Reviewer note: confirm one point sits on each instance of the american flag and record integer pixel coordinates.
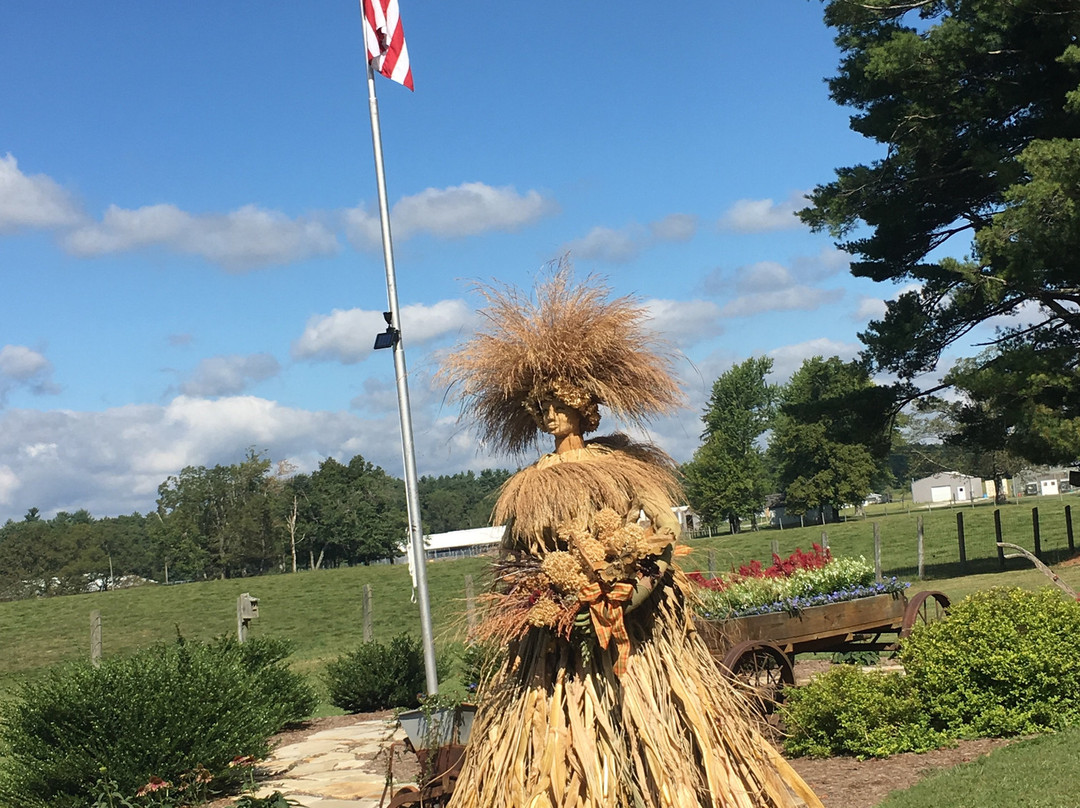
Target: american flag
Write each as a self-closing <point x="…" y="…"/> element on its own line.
<point x="385" y="40"/>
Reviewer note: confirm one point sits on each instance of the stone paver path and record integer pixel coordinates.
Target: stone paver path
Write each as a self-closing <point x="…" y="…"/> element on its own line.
<point x="345" y="767"/>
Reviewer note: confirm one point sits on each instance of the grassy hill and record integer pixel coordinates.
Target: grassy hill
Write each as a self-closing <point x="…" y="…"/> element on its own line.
<point x="898" y="527"/>
<point x="321" y="612"/>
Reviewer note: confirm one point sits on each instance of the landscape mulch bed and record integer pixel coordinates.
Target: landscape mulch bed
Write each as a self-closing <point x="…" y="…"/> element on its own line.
<point x="842" y="782"/>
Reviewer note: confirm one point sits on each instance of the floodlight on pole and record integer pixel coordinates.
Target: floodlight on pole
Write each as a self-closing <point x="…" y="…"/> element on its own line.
<point x="388" y="338"/>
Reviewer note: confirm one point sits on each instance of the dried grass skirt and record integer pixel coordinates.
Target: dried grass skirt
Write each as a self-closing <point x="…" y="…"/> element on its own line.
<point x="557" y="728"/>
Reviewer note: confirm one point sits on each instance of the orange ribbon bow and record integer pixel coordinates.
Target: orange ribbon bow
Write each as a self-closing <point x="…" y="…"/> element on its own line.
<point x="607" y="618"/>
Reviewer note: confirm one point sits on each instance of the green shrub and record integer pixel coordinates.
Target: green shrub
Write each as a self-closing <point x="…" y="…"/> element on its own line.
<point x="378" y="677"/>
<point x="847" y="711"/>
<point x="1005" y="662"/>
<point x="170" y="712"/>
<point x="479" y="662"/>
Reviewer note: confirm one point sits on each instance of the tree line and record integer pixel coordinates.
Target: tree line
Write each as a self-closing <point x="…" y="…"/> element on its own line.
<point x="233" y="521"/>
<point x="826" y="439"/>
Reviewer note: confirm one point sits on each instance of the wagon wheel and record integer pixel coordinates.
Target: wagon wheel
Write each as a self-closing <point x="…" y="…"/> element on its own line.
<point x="409" y="795"/>
<point x="923" y="609"/>
<point x="764" y="668"/>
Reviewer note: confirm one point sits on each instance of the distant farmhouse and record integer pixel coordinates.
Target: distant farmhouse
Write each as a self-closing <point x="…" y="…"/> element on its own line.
<point x="1043" y="482"/>
<point x="952" y="486"/>
<point x="947" y="486"/>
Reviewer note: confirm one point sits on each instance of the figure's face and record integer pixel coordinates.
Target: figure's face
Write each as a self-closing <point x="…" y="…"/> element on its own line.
<point x="558" y="419"/>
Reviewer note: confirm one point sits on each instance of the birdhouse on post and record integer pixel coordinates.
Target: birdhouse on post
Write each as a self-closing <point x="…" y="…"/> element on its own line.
<point x="247" y="609"/>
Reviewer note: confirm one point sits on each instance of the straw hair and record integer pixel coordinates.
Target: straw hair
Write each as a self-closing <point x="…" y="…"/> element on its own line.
<point x="572" y="344"/>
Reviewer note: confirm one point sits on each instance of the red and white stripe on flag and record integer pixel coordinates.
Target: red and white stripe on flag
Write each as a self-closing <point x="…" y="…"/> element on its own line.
<point x="385" y="40"/>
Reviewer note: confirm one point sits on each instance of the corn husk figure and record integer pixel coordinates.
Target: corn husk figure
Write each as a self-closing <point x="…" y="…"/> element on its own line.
<point x="608" y="696"/>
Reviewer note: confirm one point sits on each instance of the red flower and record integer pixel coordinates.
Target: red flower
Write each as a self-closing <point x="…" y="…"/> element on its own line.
<point x="705" y="583"/>
<point x="155" y="784"/>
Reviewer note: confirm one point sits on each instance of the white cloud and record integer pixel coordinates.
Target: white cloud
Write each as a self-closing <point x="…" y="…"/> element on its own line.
<point x="770" y="286"/>
<point x="789" y="358"/>
<point x="111" y="462"/>
<point x="605" y="244"/>
<point x="22" y="367"/>
<point x="793" y="298"/>
<point x="869" y="308"/>
<point x="9" y="484"/>
<point x="763" y="215"/>
<point x="675" y="227"/>
<point x="463" y="210"/>
<point x="242" y="239"/>
<point x="229" y="375"/>
<point x="347" y="335"/>
<point x="21" y="363"/>
<point x="35" y="201"/>
<point x="685" y="322"/>
<point x="828" y="262"/>
<point x="625" y="244"/>
<point x="764" y="276"/>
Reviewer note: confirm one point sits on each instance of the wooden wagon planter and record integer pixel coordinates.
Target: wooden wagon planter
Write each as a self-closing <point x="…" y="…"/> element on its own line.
<point x="760" y="650"/>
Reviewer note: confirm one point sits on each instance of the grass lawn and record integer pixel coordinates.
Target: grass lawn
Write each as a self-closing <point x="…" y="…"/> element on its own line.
<point x="1042" y="772"/>
<point x="321" y="612"/>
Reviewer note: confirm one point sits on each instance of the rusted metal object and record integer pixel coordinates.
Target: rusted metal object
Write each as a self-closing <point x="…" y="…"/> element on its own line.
<point x="439" y="770"/>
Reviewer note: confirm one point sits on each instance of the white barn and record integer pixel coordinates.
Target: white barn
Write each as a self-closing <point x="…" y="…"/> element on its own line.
<point x="457" y="543"/>
<point x="945" y="487"/>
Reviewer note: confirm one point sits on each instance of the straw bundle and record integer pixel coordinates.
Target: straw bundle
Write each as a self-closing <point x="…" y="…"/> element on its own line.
<point x="611" y="473"/>
<point x="558" y="729"/>
<point x="608" y="697"/>
<point x="572" y="344"/>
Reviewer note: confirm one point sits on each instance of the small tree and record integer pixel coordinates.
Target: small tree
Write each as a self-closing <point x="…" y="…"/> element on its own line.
<point x="727" y="477"/>
<point x="831" y="437"/>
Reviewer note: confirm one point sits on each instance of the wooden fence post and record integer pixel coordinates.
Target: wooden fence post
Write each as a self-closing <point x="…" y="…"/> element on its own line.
<point x="1035" y="532"/>
<point x="776" y="546"/>
<point x="960" y="537"/>
<point x="368" y="618"/>
<point x="95" y="638"/>
<point x="918" y="522"/>
<point x="824" y="540"/>
<point x="1068" y="527"/>
<point x="997" y="536"/>
<point x="877" y="551"/>
<point x="470" y="605"/>
<point x="712" y="562"/>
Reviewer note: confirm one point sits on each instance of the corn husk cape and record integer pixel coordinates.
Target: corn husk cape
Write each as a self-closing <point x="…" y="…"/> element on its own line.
<point x="608" y="696"/>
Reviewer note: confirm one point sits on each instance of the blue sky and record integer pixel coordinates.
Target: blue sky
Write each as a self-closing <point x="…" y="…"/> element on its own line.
<point x="187" y="202"/>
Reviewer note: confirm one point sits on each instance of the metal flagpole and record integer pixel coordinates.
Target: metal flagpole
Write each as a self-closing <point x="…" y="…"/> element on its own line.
<point x="412" y="497"/>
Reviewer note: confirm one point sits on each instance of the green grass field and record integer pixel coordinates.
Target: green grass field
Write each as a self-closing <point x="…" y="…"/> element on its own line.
<point x="1040" y="772"/>
<point x="321" y="613"/>
<point x="898" y="527"/>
